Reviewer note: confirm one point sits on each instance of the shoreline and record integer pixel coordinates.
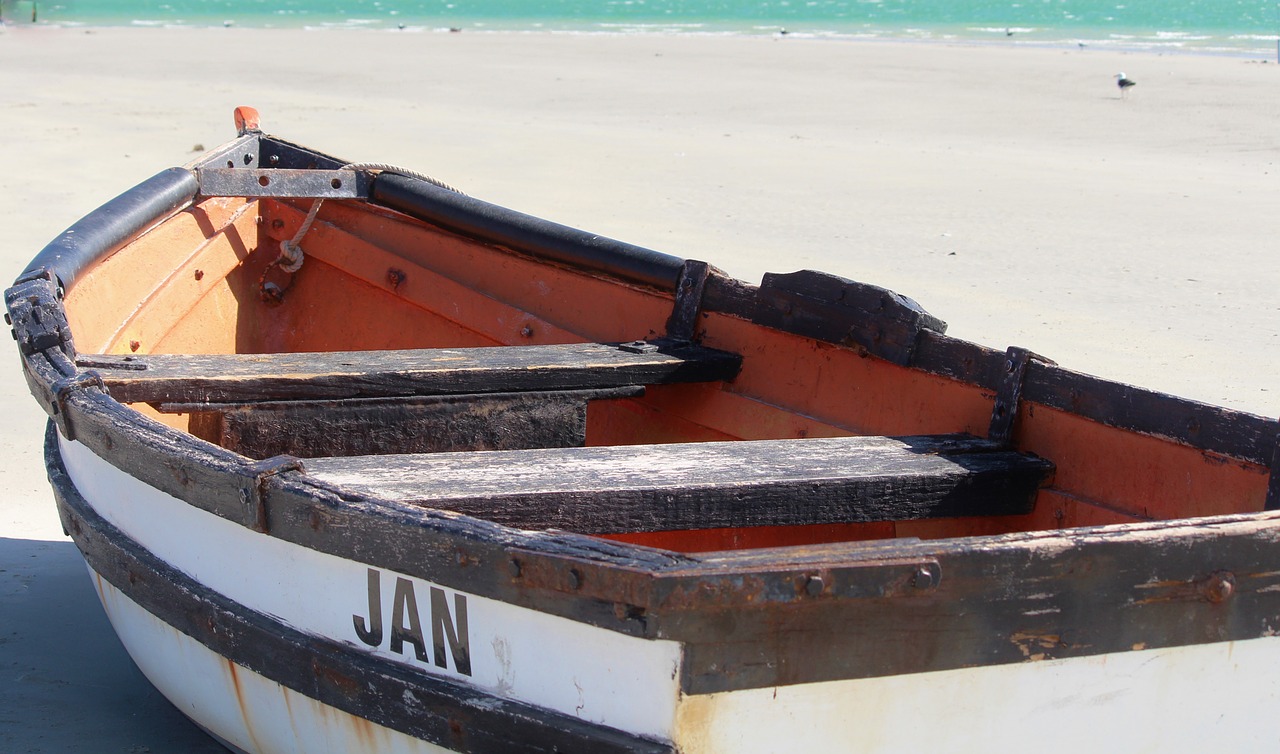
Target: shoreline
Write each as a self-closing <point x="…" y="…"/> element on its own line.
<point x="1264" y="47"/>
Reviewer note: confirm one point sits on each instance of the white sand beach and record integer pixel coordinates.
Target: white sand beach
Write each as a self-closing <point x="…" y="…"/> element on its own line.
<point x="1011" y="191"/>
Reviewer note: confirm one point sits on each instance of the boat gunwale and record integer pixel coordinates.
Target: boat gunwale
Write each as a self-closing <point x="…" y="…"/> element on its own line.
<point x="651" y="593"/>
<point x="120" y="220"/>
<point x="623" y="587"/>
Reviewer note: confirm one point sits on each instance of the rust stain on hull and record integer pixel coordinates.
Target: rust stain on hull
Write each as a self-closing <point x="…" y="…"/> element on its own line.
<point x="234" y="674"/>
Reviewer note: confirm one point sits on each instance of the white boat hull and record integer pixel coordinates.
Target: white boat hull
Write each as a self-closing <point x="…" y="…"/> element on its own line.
<point x="590" y="673"/>
<point x="1132" y="701"/>
<point x="243" y="709"/>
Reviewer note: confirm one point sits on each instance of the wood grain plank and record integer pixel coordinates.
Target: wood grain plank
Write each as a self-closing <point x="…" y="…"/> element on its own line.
<point x="167" y="378"/>
<point x="707" y="485"/>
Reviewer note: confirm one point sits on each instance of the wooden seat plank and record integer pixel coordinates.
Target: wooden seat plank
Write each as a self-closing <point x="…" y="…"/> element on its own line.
<point x="707" y="485"/>
<point x="230" y="378"/>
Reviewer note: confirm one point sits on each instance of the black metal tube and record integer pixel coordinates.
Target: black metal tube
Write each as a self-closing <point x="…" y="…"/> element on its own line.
<point x="525" y="233"/>
<point x="110" y="226"/>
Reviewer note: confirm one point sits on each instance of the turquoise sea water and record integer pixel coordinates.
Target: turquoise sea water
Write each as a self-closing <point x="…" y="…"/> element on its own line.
<point x="1223" y="26"/>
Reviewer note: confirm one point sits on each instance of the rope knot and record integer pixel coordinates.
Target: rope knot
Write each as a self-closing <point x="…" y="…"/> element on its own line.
<point x="291" y="256"/>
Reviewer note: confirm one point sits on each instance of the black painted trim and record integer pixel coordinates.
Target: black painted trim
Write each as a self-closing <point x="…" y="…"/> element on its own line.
<point x="525" y="233"/>
<point x="447" y="713"/>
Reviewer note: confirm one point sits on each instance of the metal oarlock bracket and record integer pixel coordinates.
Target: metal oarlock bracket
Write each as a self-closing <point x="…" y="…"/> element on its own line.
<point x="1009" y="393"/>
<point x="683" y="323"/>
<point x="63" y="388"/>
<point x="252" y="499"/>
<point x="283" y="182"/>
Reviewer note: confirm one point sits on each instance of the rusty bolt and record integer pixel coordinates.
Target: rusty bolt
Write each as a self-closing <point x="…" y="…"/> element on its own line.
<point x="923" y="578"/>
<point x="199" y="274"/>
<point x="814" y="585"/>
<point x="1219" y="587"/>
<point x="277" y="223"/>
<point x="395" y="277"/>
<point x="514" y="568"/>
<point x="272" y="294"/>
<point x="575" y="579"/>
<point x="134" y="345"/>
<point x="526" y="331"/>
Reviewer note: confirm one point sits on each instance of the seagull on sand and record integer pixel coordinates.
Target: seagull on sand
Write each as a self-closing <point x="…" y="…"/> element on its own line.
<point x="1124" y="82"/>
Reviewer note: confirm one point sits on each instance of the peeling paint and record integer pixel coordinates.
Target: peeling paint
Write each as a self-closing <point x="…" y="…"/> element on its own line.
<point x="1028" y="643"/>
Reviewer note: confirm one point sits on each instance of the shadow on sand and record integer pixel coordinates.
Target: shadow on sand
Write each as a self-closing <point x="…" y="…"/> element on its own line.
<point x="66" y="683"/>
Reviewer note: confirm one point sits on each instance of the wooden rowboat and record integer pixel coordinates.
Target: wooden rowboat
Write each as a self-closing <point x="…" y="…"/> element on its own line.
<point x="403" y="471"/>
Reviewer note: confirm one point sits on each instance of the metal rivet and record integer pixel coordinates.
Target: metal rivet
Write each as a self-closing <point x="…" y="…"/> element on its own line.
<point x="575" y="579"/>
<point x="514" y="568"/>
<point x="814" y="585"/>
<point x="923" y="578"/>
<point x="1220" y="587"/>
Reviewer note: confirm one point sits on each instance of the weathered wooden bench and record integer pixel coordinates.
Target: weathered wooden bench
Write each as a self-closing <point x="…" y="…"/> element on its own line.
<point x="643" y="488"/>
<point x="425" y="400"/>
<point x="230" y="378"/>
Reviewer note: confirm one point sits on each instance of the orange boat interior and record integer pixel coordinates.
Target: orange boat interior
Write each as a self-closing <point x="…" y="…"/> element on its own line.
<point x="373" y="279"/>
